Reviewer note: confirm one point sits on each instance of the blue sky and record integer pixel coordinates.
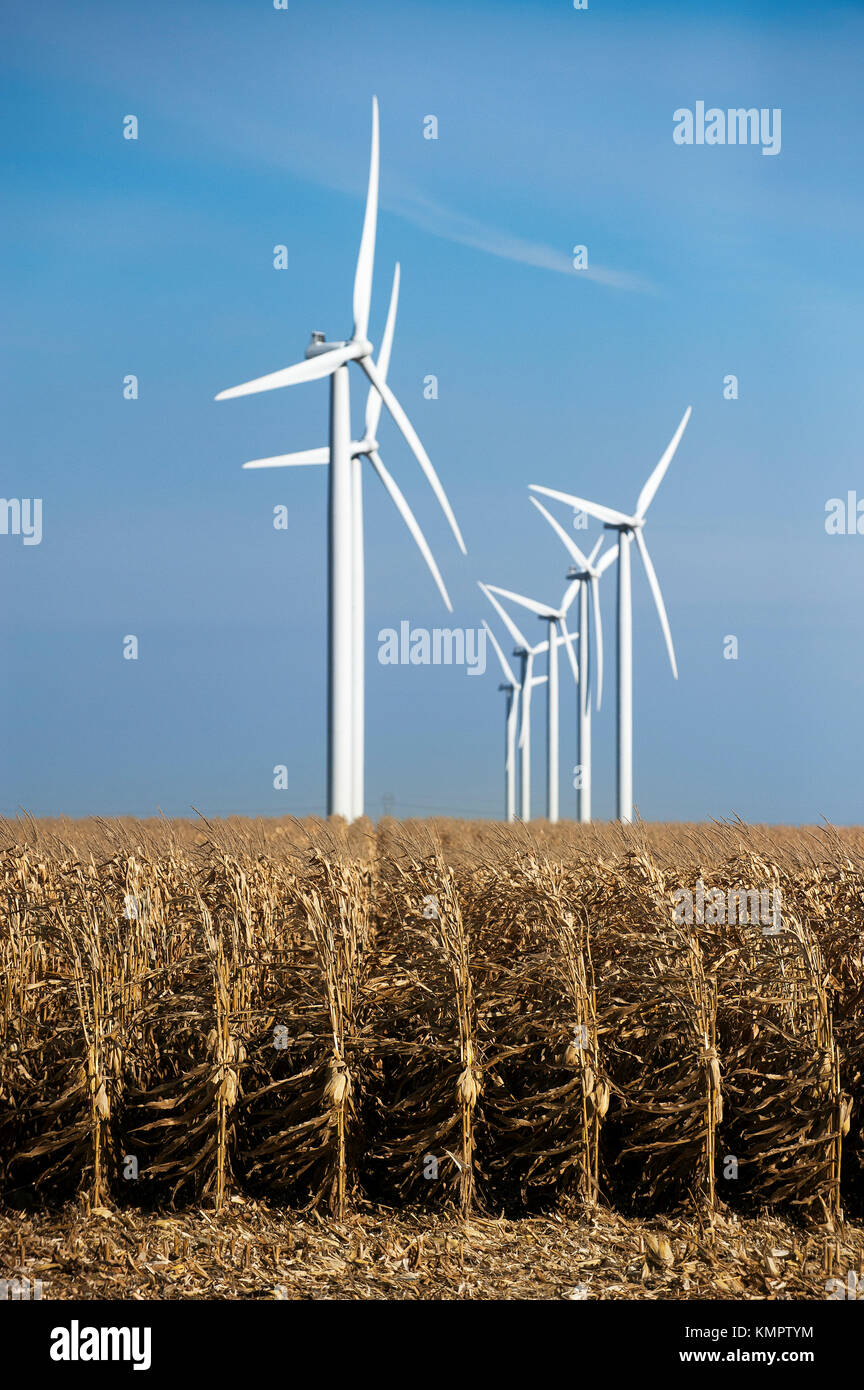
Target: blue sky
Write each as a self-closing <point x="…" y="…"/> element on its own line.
<point x="155" y="258"/>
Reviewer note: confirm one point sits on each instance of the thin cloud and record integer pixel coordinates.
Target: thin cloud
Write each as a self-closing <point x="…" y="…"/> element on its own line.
<point x="466" y="231"/>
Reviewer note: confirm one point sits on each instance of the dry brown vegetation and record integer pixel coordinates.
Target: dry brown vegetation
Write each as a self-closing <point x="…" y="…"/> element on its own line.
<point x="441" y="1017"/>
<point x="253" y="1250"/>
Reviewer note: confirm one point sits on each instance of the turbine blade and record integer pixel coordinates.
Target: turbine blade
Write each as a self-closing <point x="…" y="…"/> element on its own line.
<point x="411" y="522"/>
<point x="298" y="460"/>
<point x="658" y="599"/>
<point x="598" y="632"/>
<point x="411" y="439"/>
<point x="568" y="642"/>
<point x="518" y="637"/>
<point x="569" y="594"/>
<point x="646" y="496"/>
<point x="309" y="370"/>
<point x="366" y="255"/>
<point x="608" y="559"/>
<point x="504" y="663"/>
<point x="541" y="609"/>
<point x="373" y="400"/>
<point x="572" y="547"/>
<point x="593" y="556"/>
<point x="592" y="508"/>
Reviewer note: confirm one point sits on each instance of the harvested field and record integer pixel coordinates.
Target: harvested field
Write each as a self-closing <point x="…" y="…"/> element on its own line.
<point x="401" y="1030"/>
<point x="251" y="1250"/>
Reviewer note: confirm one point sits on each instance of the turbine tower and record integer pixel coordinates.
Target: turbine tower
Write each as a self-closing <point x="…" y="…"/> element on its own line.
<point x="585" y="574"/>
<point x="365" y="448"/>
<point x="331" y="359"/>
<point x="556" y="618"/>
<point x="630" y="528"/>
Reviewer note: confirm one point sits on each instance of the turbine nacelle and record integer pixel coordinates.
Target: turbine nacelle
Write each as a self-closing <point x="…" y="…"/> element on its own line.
<point x="359" y="447"/>
<point x="319" y="345"/>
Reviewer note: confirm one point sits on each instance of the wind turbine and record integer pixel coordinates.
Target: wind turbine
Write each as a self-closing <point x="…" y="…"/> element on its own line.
<point x="527" y="681"/>
<point x="513" y="689"/>
<point x="331" y="359"/>
<point x="585" y="574"/>
<point x="556" y="618"/>
<point x="630" y="528"/>
<point x="365" y="448"/>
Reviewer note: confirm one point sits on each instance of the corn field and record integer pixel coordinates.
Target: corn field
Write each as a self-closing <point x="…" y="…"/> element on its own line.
<point x="440" y="1015"/>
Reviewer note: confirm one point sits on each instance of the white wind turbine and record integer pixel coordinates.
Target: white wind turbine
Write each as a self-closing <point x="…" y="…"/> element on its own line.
<point x="556" y="618"/>
<point x="365" y="448"/>
<point x="585" y="575"/>
<point x="628" y="528"/>
<point x="513" y="690"/>
<point x="527" y="654"/>
<point x="331" y="359"/>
